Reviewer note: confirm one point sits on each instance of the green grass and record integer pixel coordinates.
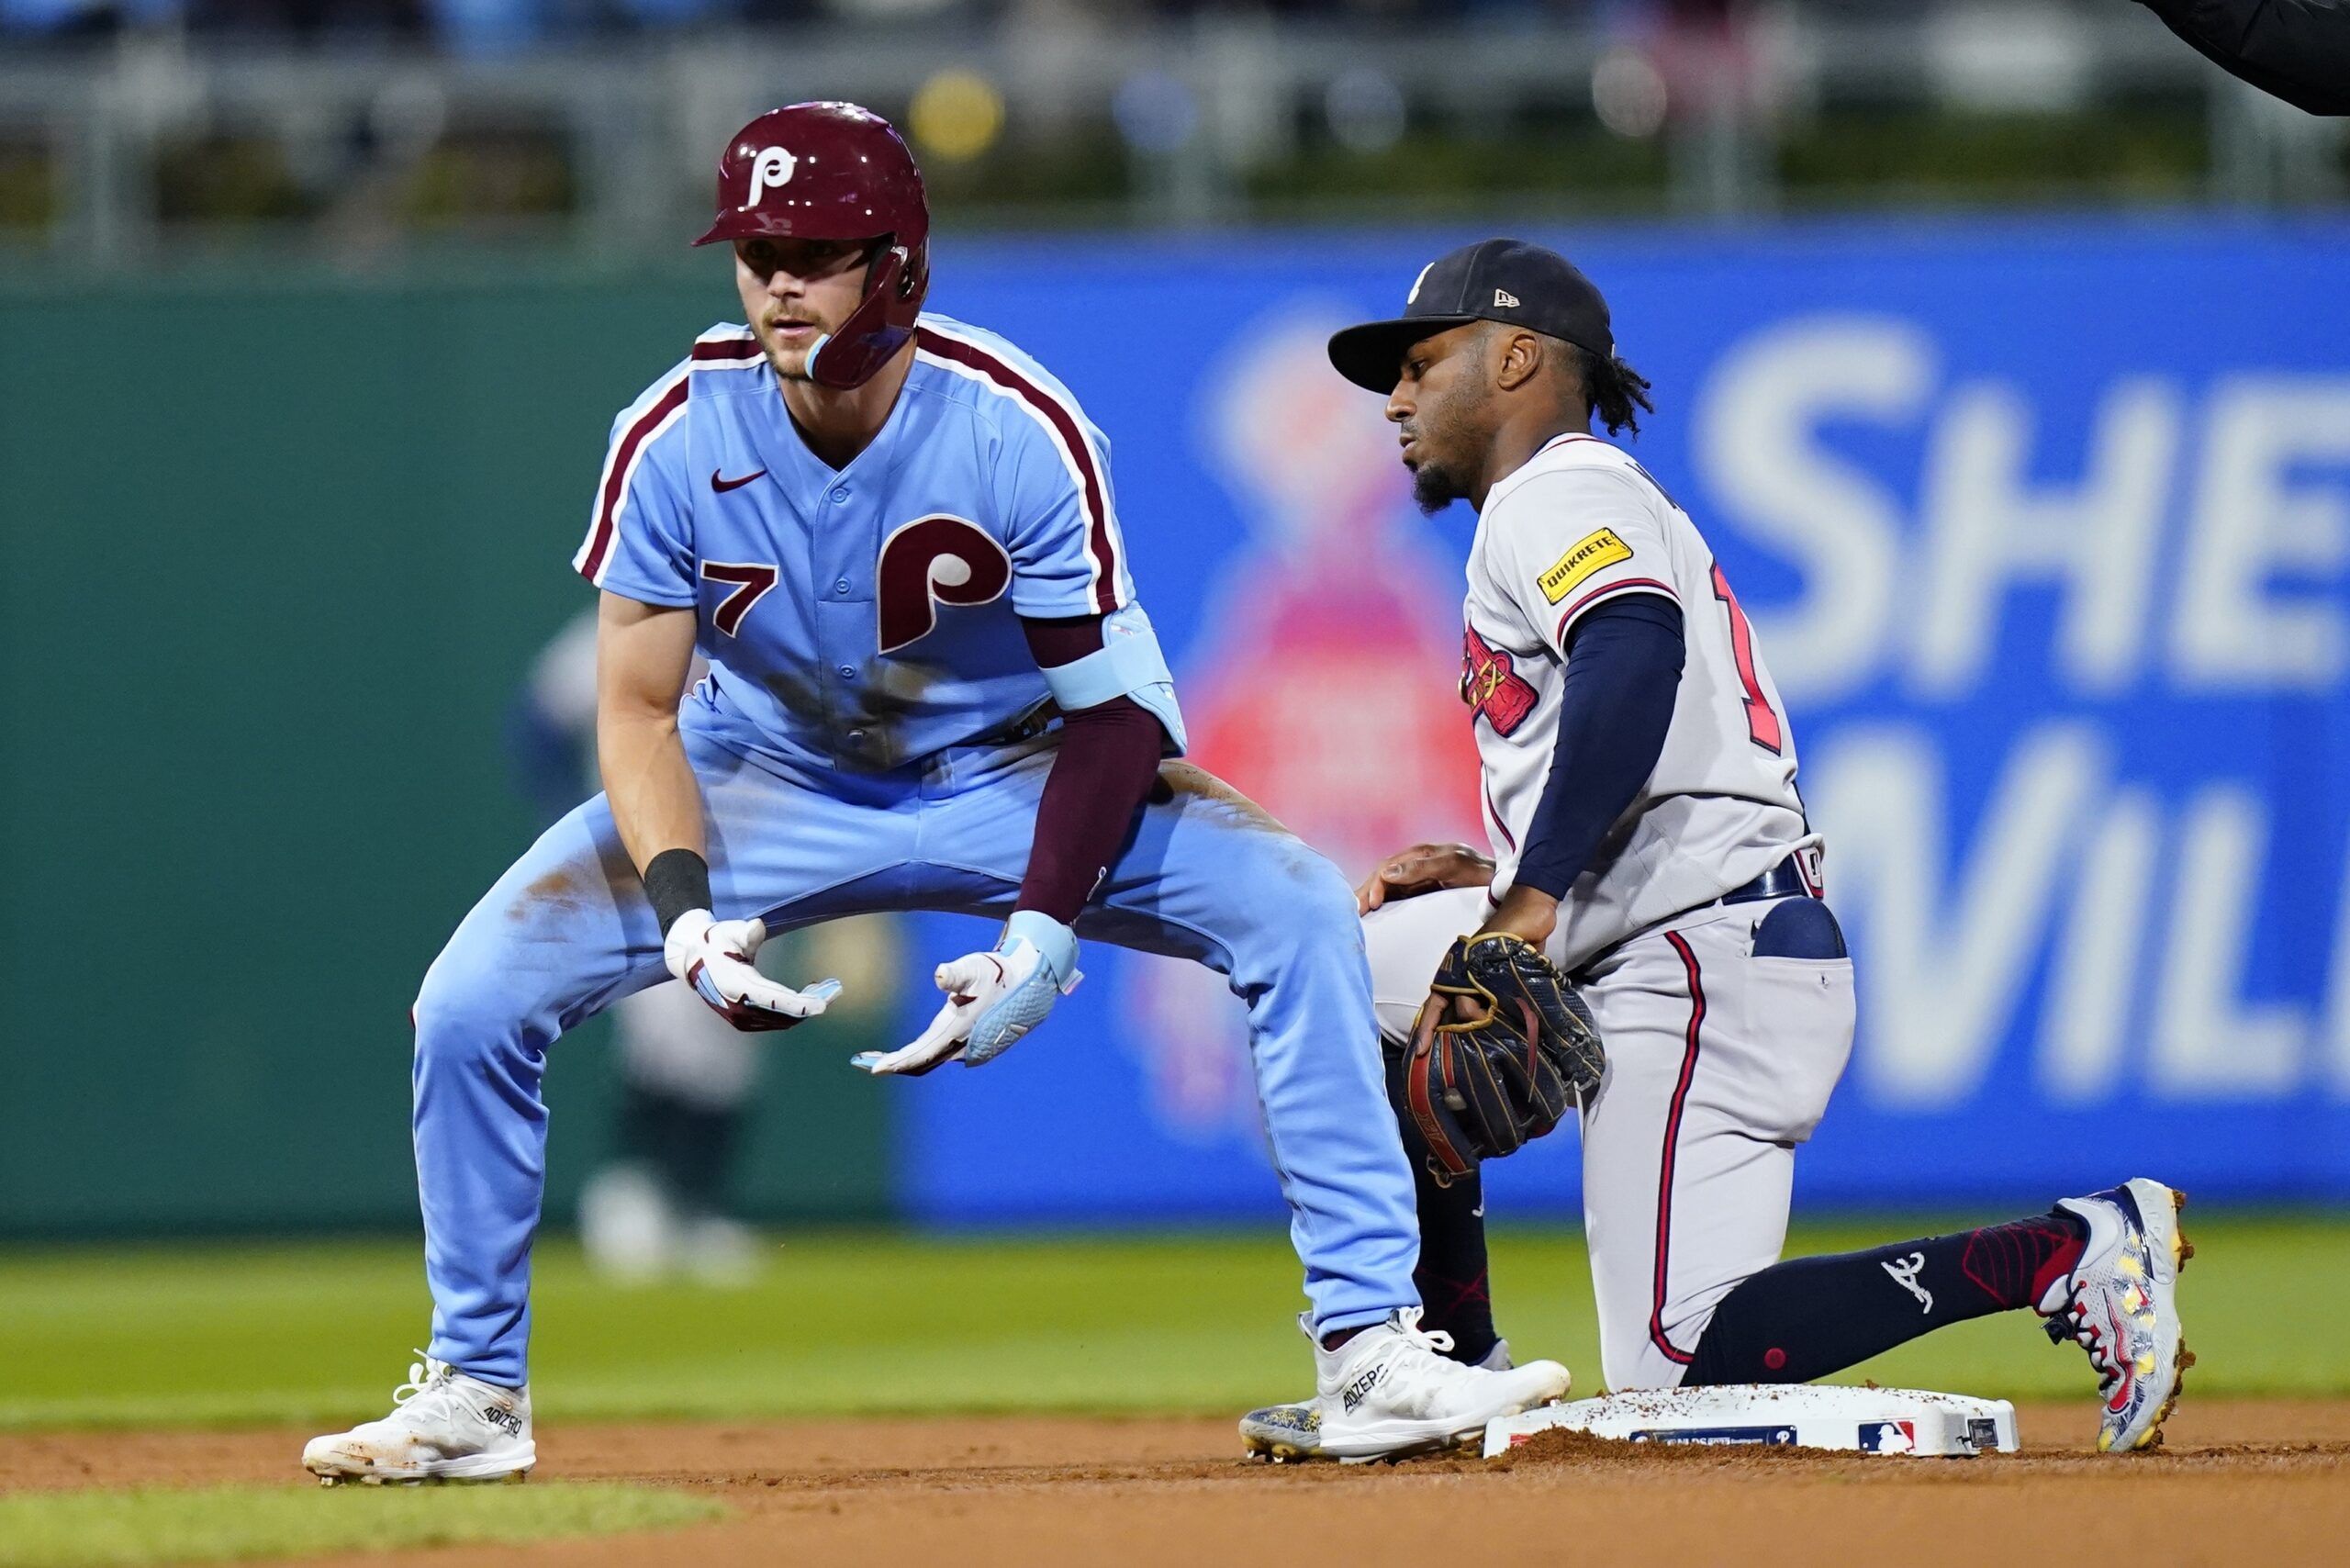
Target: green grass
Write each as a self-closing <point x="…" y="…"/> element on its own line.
<point x="223" y="1524"/>
<point x="867" y="1323"/>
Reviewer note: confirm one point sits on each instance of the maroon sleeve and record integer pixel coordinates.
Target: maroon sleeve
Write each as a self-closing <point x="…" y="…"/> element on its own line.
<point x="1108" y="759"/>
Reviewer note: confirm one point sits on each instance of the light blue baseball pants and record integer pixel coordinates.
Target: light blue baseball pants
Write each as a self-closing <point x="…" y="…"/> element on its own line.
<point x="1207" y="876"/>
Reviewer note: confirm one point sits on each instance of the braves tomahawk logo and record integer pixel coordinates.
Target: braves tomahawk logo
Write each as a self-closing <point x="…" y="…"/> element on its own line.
<point x="1904" y="1274"/>
<point x="1490" y="685"/>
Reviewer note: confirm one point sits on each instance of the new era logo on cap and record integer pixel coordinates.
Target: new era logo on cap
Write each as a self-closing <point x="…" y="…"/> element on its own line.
<point x="1539" y="290"/>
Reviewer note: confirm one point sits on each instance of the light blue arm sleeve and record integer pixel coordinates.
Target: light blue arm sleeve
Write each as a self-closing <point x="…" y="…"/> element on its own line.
<point x="640" y="527"/>
<point x="1128" y="663"/>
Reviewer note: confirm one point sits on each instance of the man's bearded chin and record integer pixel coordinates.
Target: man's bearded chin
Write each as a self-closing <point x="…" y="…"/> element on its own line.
<point x="787" y="363"/>
<point x="1435" y="488"/>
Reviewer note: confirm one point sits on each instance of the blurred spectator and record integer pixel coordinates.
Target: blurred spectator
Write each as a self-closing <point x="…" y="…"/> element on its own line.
<point x="494" y="27"/>
<point x="308" y="20"/>
<point x="81" y="18"/>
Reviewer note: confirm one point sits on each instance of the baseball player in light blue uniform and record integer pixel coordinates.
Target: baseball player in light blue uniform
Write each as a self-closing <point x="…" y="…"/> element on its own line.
<point x="893" y="538"/>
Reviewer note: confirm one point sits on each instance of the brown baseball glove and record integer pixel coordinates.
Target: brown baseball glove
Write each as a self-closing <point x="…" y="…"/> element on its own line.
<point x="1502" y="1050"/>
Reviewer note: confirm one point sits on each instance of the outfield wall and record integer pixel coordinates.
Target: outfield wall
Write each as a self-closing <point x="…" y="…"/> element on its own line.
<point x="276" y="555"/>
<point x="2043" y="527"/>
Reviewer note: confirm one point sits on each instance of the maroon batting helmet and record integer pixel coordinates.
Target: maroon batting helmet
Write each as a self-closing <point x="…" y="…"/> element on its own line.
<point x="835" y="171"/>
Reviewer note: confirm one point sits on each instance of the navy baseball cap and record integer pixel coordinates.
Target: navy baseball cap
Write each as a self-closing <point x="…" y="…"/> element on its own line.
<point x="1493" y="280"/>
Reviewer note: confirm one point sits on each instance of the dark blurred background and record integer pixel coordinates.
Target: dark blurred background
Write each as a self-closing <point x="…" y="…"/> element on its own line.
<point x="360" y="132"/>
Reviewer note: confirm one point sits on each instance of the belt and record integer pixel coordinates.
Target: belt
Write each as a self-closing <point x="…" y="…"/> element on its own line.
<point x="1782" y="880"/>
<point x="1026" y="727"/>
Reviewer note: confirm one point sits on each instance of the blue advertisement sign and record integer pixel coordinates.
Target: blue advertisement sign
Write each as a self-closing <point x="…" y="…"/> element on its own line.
<point x="2043" y="528"/>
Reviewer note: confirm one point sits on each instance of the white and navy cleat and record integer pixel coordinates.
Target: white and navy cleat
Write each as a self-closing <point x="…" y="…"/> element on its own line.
<point x="1289" y="1434"/>
<point x="444" y="1426"/>
<point x="1388" y="1394"/>
<point x="2121" y="1304"/>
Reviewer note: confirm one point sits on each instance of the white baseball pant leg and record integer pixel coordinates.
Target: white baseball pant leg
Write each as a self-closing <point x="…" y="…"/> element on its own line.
<point x="1719" y="1064"/>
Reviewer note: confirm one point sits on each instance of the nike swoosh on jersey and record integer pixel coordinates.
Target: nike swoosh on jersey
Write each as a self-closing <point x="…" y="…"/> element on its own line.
<point x="722" y="486"/>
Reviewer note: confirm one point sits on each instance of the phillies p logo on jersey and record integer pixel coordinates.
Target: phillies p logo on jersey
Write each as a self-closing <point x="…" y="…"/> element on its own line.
<point x="930" y="562"/>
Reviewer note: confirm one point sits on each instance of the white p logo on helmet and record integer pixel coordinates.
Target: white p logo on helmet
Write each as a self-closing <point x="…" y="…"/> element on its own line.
<point x="769" y="170"/>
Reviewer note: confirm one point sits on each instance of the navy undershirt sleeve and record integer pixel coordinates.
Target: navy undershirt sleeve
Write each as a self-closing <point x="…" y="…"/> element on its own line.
<point x="1623" y="672"/>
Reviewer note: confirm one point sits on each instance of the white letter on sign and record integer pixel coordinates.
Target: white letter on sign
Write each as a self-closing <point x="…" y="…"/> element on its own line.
<point x="1761" y="446"/>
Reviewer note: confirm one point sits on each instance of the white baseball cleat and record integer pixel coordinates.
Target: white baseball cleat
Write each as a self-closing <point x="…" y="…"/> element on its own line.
<point x="444" y="1426"/>
<point x="2121" y="1304"/>
<point x="1286" y="1434"/>
<point x="1389" y="1394"/>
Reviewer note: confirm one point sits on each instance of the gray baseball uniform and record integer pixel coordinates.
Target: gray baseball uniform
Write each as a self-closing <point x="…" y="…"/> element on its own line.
<point x="1721" y="1060"/>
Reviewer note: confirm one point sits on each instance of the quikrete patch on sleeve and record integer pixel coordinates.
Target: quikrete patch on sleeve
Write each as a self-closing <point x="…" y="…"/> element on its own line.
<point x="1587" y="555"/>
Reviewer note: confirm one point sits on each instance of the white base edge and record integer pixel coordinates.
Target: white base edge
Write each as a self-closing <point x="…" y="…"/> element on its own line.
<point x="1904" y="1421"/>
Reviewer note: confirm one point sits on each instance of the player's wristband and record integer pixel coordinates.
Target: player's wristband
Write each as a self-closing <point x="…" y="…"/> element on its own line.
<point x="677" y="881"/>
<point x="1055" y="942"/>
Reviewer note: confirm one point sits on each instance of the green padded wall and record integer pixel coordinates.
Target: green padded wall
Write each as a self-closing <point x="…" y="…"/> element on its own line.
<point x="274" y="554"/>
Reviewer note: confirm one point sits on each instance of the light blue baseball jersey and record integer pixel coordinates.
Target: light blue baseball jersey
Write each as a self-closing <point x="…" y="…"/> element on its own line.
<point x="869" y="616"/>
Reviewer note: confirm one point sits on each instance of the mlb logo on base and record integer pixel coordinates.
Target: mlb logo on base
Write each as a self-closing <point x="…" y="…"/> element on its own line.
<point x="1888" y="1436"/>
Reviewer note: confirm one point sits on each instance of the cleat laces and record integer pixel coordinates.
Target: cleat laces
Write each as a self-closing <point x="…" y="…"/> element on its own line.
<point x="428" y="1390"/>
<point x="1410" y="1335"/>
<point x="1409" y="1361"/>
<point x="2072" y="1321"/>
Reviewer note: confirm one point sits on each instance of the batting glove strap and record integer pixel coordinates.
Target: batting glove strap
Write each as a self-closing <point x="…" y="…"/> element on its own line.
<point x="1054" y="942"/>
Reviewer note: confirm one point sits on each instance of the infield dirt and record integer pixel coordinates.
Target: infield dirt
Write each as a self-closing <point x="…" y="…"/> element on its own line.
<point x="2238" y="1482"/>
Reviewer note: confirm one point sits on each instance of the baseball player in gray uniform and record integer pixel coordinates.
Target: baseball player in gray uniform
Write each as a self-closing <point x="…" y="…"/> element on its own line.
<point x="1647" y="835"/>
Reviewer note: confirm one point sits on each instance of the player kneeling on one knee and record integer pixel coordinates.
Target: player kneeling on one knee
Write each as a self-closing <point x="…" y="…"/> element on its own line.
<point x="1649" y="841"/>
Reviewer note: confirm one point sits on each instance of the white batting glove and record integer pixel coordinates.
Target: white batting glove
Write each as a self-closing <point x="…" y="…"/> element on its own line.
<point x="993" y="999"/>
<point x="715" y="957"/>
